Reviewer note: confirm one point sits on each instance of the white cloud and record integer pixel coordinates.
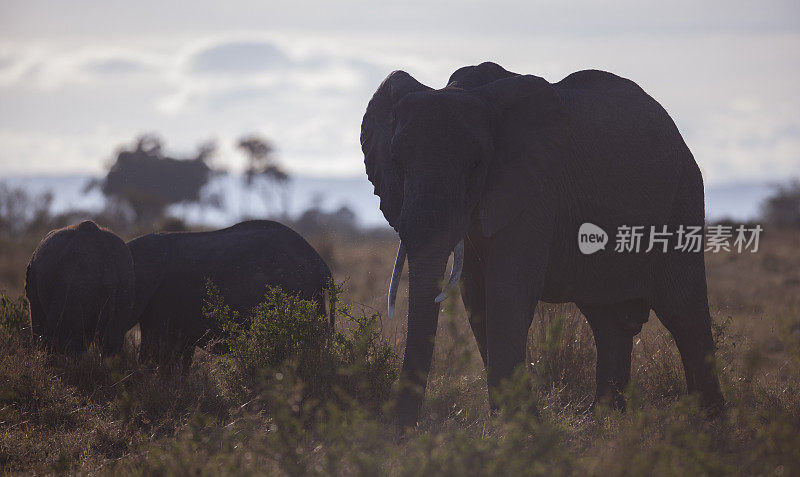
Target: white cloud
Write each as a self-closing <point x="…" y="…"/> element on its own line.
<point x="221" y="72"/>
<point x="28" y="153"/>
<point x="54" y="67"/>
<point x="725" y="72"/>
<point x="749" y="142"/>
<point x="17" y="65"/>
<point x="239" y="57"/>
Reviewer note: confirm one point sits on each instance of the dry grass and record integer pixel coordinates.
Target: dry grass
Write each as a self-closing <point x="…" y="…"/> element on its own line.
<point x="88" y="417"/>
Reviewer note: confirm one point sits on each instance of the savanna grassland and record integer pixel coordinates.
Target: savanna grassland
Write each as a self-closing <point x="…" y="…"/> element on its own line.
<point x="290" y="399"/>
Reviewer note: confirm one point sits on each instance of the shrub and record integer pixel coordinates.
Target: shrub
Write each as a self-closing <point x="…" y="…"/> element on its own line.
<point x="285" y="337"/>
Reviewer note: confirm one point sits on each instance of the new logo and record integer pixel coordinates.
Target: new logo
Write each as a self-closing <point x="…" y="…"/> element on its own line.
<point x="591" y="238"/>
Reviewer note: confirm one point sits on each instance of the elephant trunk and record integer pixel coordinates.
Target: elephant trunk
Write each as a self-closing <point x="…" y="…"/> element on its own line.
<point x="424" y="275"/>
<point x="455" y="275"/>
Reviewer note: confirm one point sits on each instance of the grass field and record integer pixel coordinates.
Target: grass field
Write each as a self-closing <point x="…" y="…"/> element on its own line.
<point x="84" y="416"/>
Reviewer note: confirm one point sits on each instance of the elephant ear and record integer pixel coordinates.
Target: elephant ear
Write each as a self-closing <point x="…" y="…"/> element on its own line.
<point x="377" y="129"/>
<point x="531" y="137"/>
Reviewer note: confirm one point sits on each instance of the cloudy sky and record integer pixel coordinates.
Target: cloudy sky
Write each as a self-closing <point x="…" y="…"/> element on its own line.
<point x="79" y="78"/>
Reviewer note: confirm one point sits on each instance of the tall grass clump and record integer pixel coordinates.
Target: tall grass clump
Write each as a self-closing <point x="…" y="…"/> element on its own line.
<point x="13" y="317"/>
<point x="561" y="356"/>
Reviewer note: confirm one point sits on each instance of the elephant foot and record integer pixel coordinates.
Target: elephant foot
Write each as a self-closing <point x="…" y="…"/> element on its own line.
<point x="714" y="408"/>
<point x="407" y="409"/>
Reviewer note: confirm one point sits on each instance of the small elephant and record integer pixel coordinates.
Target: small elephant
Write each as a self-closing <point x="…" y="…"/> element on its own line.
<point x="503" y="169"/>
<point x="79" y="284"/>
<point x="172" y="271"/>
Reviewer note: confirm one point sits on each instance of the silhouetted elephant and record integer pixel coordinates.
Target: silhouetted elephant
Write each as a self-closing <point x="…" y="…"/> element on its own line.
<point x="172" y="270"/>
<point x="503" y="169"/>
<point x="79" y="284"/>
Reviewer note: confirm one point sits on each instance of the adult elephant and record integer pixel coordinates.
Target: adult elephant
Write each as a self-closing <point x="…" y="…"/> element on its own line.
<point x="172" y="271"/>
<point x="79" y="284"/>
<point x="503" y="169"/>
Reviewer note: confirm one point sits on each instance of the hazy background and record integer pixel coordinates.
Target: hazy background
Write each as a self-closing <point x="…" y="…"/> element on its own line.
<point x="78" y="79"/>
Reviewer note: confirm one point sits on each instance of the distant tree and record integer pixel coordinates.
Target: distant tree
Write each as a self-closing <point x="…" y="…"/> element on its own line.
<point x="783" y="207"/>
<point x="149" y="181"/>
<point x="261" y="163"/>
<point x="261" y="159"/>
<point x="21" y="212"/>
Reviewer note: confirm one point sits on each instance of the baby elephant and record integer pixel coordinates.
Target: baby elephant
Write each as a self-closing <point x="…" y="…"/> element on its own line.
<point x="79" y="284"/>
<point x="172" y="270"/>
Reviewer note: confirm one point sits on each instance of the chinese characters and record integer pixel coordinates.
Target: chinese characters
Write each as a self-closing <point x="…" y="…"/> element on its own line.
<point x="653" y="239"/>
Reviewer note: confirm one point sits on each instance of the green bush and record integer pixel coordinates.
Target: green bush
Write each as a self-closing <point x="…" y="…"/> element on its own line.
<point x="285" y="338"/>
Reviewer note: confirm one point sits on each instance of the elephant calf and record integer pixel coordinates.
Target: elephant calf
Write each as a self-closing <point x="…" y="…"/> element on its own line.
<point x="79" y="284"/>
<point x="172" y="270"/>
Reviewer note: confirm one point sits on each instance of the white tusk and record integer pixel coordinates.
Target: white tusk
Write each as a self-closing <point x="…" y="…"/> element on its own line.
<point x="398" y="270"/>
<point x="455" y="274"/>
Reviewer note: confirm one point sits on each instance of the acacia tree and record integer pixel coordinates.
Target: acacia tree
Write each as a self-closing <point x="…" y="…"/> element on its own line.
<point x="262" y="164"/>
<point x="148" y="181"/>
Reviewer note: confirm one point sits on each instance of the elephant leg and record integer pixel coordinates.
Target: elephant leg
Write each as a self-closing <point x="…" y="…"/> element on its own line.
<point x="682" y="307"/>
<point x="106" y="313"/>
<point x="514" y="282"/>
<point x="159" y="344"/>
<point x="186" y="355"/>
<point x="184" y="339"/>
<point x="55" y="336"/>
<point x="473" y="294"/>
<point x="508" y="317"/>
<point x="150" y="342"/>
<point x="613" y="327"/>
<point x="177" y="350"/>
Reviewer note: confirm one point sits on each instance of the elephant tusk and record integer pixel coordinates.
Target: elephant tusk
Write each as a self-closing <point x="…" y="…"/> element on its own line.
<point x="455" y="274"/>
<point x="398" y="270"/>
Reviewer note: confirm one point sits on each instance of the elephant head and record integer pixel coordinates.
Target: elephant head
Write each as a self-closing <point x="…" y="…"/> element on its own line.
<point x="480" y="148"/>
